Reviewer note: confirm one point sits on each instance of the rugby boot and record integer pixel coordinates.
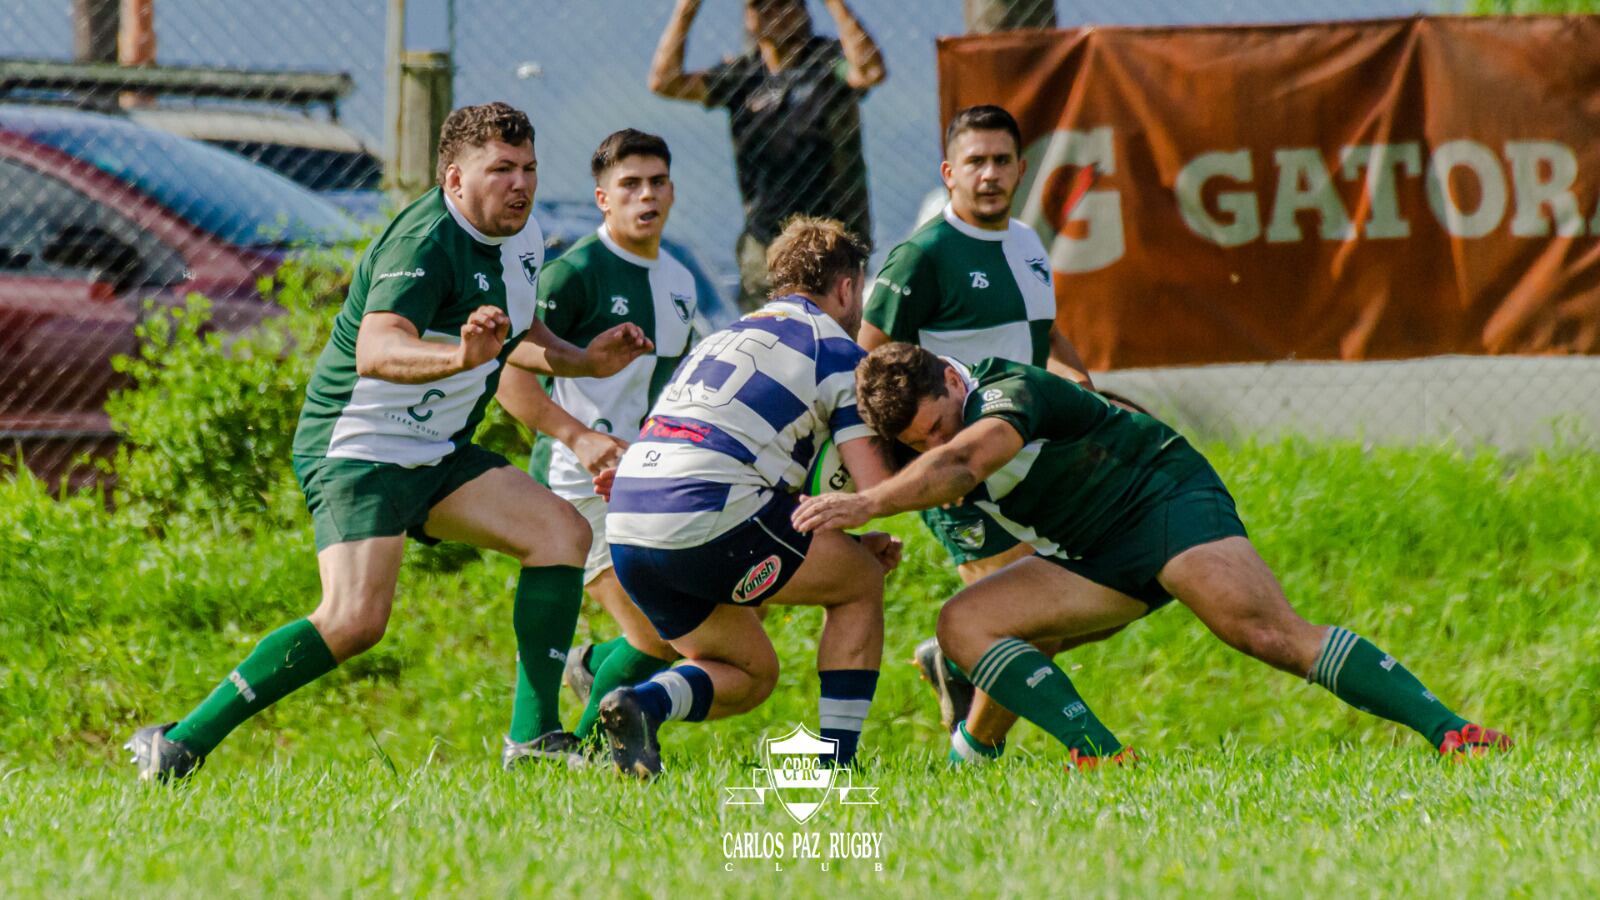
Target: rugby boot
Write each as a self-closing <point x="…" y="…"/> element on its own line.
<point x="631" y="731"/>
<point x="955" y="695"/>
<point x="552" y="746"/>
<point x="159" y="759"/>
<point x="1473" y="740"/>
<point x="577" y="674"/>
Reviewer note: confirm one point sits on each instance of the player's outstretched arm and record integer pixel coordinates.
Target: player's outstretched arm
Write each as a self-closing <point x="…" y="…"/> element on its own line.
<point x="523" y="397"/>
<point x="607" y="354"/>
<point x="860" y="50"/>
<point x="389" y="348"/>
<point x="935" y="478"/>
<point x="667" y="78"/>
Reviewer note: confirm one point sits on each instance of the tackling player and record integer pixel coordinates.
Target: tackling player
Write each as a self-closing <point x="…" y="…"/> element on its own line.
<point x="618" y="274"/>
<point x="971" y="284"/>
<point x="1124" y="515"/>
<point x="700" y="508"/>
<point x="439" y="304"/>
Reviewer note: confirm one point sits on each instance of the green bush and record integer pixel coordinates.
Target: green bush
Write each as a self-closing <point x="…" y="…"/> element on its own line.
<point x="208" y="421"/>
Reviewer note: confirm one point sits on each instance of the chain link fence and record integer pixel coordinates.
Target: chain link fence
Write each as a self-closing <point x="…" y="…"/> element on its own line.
<point x="117" y="186"/>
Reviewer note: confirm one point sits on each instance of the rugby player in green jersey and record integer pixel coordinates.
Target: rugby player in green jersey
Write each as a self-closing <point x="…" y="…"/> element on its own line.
<point x="618" y="274"/>
<point x="973" y="283"/>
<point x="1124" y="515"/>
<point x="440" y="303"/>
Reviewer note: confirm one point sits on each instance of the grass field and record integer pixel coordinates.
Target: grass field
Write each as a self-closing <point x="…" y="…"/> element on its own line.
<point x="1479" y="571"/>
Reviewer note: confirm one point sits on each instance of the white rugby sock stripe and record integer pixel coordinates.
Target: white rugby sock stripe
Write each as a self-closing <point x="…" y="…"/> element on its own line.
<point x="678" y="689"/>
<point x="995" y="659"/>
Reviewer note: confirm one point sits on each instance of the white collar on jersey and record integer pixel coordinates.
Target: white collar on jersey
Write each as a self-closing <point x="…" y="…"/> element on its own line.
<point x="973" y="231"/>
<point x="963" y="371"/>
<point x="466" y="226"/>
<point x="614" y="247"/>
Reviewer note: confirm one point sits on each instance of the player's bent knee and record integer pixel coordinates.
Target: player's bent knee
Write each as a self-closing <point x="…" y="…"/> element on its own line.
<point x="956" y="634"/>
<point x="348" y="634"/>
<point x="562" y="539"/>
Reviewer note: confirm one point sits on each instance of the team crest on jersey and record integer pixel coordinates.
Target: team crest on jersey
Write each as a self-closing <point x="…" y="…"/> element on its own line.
<point x="530" y="267"/>
<point x="682" y="305"/>
<point x="979" y="279"/>
<point x="969" y="537"/>
<point x="619" y="305"/>
<point x="760" y="579"/>
<point x="1040" y="269"/>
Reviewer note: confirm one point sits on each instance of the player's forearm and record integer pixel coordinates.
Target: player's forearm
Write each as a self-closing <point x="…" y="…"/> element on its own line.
<point x="860" y="50"/>
<point x="666" y="67"/>
<point x="542" y="352"/>
<point x="933" y="479"/>
<point x="404" y="360"/>
<point x="523" y="397"/>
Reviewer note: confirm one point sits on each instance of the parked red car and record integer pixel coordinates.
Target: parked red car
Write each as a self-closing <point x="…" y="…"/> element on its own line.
<point x="98" y="214"/>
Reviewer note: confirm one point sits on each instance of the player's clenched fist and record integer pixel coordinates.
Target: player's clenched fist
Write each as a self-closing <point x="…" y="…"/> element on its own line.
<point x="598" y="451"/>
<point x="614" y="348"/>
<point x="482" y="336"/>
<point x="885" y="547"/>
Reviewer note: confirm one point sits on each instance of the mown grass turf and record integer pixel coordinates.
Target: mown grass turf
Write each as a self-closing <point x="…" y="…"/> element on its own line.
<point x="1478" y="571"/>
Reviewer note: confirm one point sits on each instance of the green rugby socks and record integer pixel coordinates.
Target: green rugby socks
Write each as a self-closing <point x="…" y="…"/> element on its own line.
<point x="1373" y="681"/>
<point x="968" y="750"/>
<point x="1026" y="682"/>
<point x="623" y="666"/>
<point x="285" y="660"/>
<point x="544" y="617"/>
<point x="599" y="653"/>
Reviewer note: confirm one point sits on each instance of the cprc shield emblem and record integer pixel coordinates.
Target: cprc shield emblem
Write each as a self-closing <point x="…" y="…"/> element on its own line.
<point x="801" y="781"/>
<point x="530" y="266"/>
<point x="795" y="773"/>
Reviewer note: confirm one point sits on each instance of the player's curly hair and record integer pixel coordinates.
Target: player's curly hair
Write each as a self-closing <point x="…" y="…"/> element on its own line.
<point x="811" y="254"/>
<point x="475" y="126"/>
<point x="892" y="382"/>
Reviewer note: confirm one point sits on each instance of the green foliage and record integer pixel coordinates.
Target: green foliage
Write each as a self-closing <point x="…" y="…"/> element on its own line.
<point x="1476" y="570"/>
<point x="1214" y="822"/>
<point x="1530" y="7"/>
<point x="208" y="422"/>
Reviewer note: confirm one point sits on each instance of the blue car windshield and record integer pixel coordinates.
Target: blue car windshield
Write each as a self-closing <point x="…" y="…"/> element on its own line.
<point x="218" y="192"/>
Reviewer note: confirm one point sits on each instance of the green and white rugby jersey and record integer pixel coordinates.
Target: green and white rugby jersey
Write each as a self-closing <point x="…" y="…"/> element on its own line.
<point x="967" y="293"/>
<point x="594" y="286"/>
<point x="1086" y="465"/>
<point x="431" y="266"/>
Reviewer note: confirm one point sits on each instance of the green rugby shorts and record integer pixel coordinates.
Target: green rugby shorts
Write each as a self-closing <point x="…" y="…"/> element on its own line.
<point x="356" y="499"/>
<point x="968" y="533"/>
<point x="1198" y="510"/>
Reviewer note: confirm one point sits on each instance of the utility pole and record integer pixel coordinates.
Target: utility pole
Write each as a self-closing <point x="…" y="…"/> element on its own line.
<point x="94" y="30"/>
<point x="418" y="94"/>
<point x="136" y="44"/>
<point x="985" y="16"/>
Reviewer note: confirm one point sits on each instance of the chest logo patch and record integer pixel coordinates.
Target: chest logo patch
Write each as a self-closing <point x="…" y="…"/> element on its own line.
<point x="530" y="266"/>
<point x="619" y="305"/>
<point x="683" y="305"/>
<point x="979" y="279"/>
<point x="483" y="280"/>
<point x="1040" y="270"/>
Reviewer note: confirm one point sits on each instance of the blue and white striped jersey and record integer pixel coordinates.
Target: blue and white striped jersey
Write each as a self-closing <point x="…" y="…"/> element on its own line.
<point x="742" y="417"/>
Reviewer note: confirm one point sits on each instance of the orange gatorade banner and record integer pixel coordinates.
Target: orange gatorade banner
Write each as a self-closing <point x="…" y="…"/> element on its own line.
<point x="1352" y="190"/>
